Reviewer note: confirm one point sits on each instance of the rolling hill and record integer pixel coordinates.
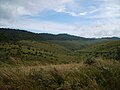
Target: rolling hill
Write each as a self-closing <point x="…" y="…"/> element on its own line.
<point x="20" y="46"/>
<point x="41" y="61"/>
<point x="107" y="49"/>
<point x="16" y="34"/>
<point x="68" y="41"/>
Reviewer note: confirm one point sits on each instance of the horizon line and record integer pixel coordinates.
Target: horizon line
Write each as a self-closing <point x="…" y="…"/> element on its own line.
<point x="104" y="37"/>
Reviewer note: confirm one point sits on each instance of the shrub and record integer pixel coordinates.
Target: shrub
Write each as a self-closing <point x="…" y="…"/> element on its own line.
<point x="90" y="60"/>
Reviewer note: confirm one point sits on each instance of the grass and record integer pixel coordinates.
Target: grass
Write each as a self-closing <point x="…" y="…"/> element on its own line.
<point x="104" y="50"/>
<point x="74" y="44"/>
<point x="102" y="75"/>
<point x="32" y="52"/>
<point x="59" y="65"/>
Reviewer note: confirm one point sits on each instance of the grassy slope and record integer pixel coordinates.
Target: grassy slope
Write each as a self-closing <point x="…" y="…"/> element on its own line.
<point x="105" y="50"/>
<point x="74" y="44"/>
<point x="14" y="56"/>
<point x="102" y="75"/>
<point x="32" y="51"/>
<point x="107" y="46"/>
<point x="52" y="51"/>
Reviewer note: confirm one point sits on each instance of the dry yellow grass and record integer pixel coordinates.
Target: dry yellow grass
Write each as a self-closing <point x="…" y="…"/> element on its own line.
<point x="61" y="67"/>
<point x="74" y="76"/>
<point x="49" y="67"/>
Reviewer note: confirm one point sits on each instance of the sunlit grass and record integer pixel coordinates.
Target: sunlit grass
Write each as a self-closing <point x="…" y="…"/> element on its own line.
<point x="102" y="75"/>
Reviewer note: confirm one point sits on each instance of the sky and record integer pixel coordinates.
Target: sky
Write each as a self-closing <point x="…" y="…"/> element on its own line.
<point x="85" y="18"/>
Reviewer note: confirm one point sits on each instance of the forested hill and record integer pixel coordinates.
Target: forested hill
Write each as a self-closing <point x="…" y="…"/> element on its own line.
<point x="7" y="34"/>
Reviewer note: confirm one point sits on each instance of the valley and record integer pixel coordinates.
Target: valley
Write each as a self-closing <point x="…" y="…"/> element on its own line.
<point x="33" y="61"/>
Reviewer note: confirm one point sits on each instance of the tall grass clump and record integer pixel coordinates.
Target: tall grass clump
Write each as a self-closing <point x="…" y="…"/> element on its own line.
<point x="100" y="76"/>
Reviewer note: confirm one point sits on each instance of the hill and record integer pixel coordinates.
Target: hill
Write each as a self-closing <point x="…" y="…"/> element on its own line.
<point x="107" y="49"/>
<point x="20" y="46"/>
<point x="25" y="52"/>
<point x="32" y="61"/>
<point x="7" y="34"/>
<point x="16" y="34"/>
<point x="70" y="42"/>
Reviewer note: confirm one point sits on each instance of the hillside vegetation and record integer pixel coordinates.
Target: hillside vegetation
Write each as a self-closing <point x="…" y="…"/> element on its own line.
<point x="5" y="35"/>
<point x="25" y="52"/>
<point x="41" y="61"/>
<point x="106" y="50"/>
<point x="102" y="75"/>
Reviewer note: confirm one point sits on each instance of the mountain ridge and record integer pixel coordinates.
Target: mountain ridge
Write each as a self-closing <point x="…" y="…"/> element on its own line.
<point x="17" y="34"/>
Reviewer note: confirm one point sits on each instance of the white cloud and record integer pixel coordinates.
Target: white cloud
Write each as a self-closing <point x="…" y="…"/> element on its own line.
<point x="97" y="29"/>
<point x="42" y="26"/>
<point x="108" y="11"/>
<point x="12" y="9"/>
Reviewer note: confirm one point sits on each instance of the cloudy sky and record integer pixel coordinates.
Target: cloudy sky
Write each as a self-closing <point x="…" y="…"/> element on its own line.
<point x="86" y="18"/>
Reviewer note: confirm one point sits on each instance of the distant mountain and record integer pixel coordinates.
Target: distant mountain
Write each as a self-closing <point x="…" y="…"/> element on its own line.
<point x="72" y="37"/>
<point x="7" y="34"/>
<point x="112" y="38"/>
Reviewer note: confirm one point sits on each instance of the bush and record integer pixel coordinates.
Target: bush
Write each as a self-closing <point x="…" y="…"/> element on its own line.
<point x="90" y="60"/>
